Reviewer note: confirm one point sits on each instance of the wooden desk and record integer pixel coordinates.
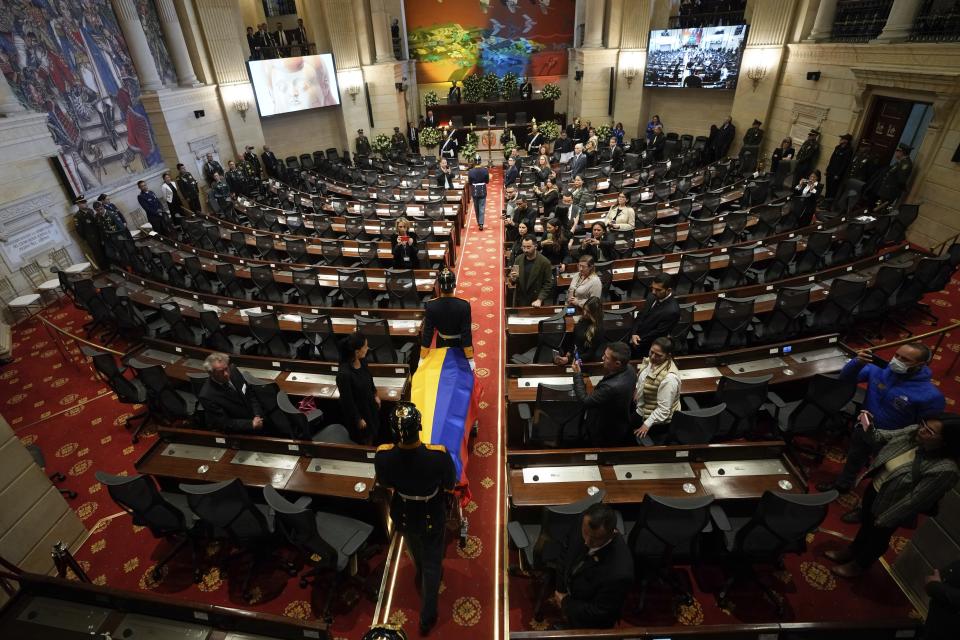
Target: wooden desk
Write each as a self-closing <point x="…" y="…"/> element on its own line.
<point x="540" y="478"/>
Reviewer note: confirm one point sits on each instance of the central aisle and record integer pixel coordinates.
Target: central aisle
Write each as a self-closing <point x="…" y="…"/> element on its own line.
<point x="470" y="593"/>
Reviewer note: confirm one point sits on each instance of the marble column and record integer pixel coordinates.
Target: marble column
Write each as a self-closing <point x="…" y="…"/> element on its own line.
<point x="364" y="46"/>
<point x="382" y="41"/>
<point x="899" y="24"/>
<point x="823" y="23"/>
<point x="614" y="24"/>
<point x="132" y="28"/>
<point x="593" y="24"/>
<point x="9" y="104"/>
<point x="176" y="44"/>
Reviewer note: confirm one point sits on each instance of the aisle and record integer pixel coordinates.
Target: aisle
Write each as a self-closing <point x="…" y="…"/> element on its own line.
<point x="470" y="596"/>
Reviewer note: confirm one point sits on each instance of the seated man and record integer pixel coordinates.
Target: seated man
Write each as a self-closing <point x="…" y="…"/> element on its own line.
<point x="531" y="276"/>
<point x="594" y="573"/>
<point x="227" y="404"/>
<point x="897" y="396"/>
<point x="607" y="409"/>
<point x="660" y="312"/>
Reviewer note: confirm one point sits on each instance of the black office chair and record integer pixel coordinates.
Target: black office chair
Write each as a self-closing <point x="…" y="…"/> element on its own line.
<point x="215" y="336"/>
<point x="174" y="273"/>
<point x="166" y="515"/>
<point x="297" y="251"/>
<point x="875" y="304"/>
<point x="837" y="311"/>
<point x="729" y="327"/>
<point x="56" y="477"/>
<point x="779" y="267"/>
<point x="742" y="397"/>
<point x="309" y="291"/>
<point x="401" y="290"/>
<point x="848" y="244"/>
<point x="699" y="233"/>
<point x="330" y="541"/>
<point x="735" y="224"/>
<point x="906" y="214"/>
<point x="265" y="248"/>
<point x="290" y="422"/>
<point x="779" y="526"/>
<point x="540" y="545"/>
<point x="354" y="291"/>
<point x="332" y="252"/>
<point x="320" y="341"/>
<point x="380" y="343"/>
<point x="267" y="287"/>
<point x="132" y="322"/>
<point x="128" y="391"/>
<point x="820" y="408"/>
<point x="693" y="272"/>
<point x="226" y="512"/>
<point x="179" y="330"/>
<point x="663" y="239"/>
<point x="667" y="531"/>
<point x="617" y="324"/>
<point x="786" y="318"/>
<point x="814" y="255"/>
<point x="556" y="419"/>
<point x="167" y="402"/>
<point x="233" y="287"/>
<point x="333" y="434"/>
<point x="680" y="333"/>
<point x="931" y="274"/>
<point x="695" y="426"/>
<point x="265" y="328"/>
<point x="768" y="216"/>
<point x="736" y="273"/>
<point x="550" y="333"/>
<point x="199" y="279"/>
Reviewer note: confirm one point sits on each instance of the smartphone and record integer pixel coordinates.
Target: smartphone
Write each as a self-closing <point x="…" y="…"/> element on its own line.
<point x="403" y="239"/>
<point x="864" y="420"/>
<point x="576" y="357"/>
<point x="571" y="311"/>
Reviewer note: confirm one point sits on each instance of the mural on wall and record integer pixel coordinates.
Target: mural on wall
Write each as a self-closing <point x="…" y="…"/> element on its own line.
<point x="70" y="61"/>
<point x="451" y="40"/>
<point x="158" y="46"/>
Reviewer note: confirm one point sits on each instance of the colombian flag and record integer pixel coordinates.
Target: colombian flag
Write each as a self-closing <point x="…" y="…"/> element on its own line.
<point x="447" y="395"/>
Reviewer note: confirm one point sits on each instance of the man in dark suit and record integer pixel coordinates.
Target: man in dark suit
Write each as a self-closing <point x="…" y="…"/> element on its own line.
<point x="281" y="41"/>
<point x="616" y="155"/>
<point x="526" y="89"/>
<point x="252" y="44"/>
<point x="211" y="167"/>
<point x="227" y="403"/>
<point x="270" y="162"/>
<point x="454" y="95"/>
<point x="430" y="120"/>
<point x="606" y="418"/>
<point x="655" y="146"/>
<point x="725" y="135"/>
<point x="413" y="137"/>
<point x="563" y="144"/>
<point x="594" y="572"/>
<point x="660" y="312"/>
<point x="578" y="163"/>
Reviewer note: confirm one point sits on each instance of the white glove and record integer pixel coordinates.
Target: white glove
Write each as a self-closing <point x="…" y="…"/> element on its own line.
<point x="473" y="365"/>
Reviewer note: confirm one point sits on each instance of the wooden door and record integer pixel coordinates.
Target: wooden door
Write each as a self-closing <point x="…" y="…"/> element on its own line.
<point x="888" y="117"/>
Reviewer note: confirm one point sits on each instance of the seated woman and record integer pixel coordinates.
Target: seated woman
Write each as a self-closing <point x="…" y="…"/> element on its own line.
<point x="621" y="216"/>
<point x="595" y="245"/>
<point x="783" y="152"/>
<point x="517" y="248"/>
<point x="657" y="394"/>
<point x="554" y="242"/>
<point x="587" y="338"/>
<point x="405" y="250"/>
<point x="915" y="467"/>
<point x="549" y="197"/>
<point x="359" y="401"/>
<point x="585" y="284"/>
<point x="808" y="190"/>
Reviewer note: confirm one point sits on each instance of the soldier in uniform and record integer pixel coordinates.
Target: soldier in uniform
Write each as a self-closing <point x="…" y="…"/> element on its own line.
<point x="398" y="142"/>
<point x="85" y="220"/>
<point x="893" y="181"/>
<point x="838" y="165"/>
<point x="235" y="178"/>
<point x="363" y="144"/>
<point x="454" y="95"/>
<point x="420" y="475"/>
<point x="113" y="229"/>
<point x="449" y="317"/>
<point x="865" y="164"/>
<point x="807" y="156"/>
<point x="189" y="188"/>
<point x="754" y="135"/>
<point x="211" y="167"/>
<point x="219" y="197"/>
<point x="154" y="209"/>
<point x="252" y="161"/>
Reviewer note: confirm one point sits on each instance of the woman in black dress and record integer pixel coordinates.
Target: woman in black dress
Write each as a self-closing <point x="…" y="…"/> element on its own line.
<point x="522" y="230"/>
<point x="359" y="401"/>
<point x="549" y="197"/>
<point x="405" y="250"/>
<point x="587" y="338"/>
<point x="554" y="242"/>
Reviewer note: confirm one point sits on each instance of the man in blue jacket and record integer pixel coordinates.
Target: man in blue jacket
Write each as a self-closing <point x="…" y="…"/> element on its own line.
<point x="897" y="396"/>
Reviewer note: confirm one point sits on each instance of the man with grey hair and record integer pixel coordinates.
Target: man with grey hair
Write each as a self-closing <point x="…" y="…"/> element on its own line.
<point x="227" y="402"/>
<point x="578" y="163"/>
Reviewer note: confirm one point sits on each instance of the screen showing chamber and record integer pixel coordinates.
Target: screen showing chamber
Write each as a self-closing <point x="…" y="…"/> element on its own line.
<point x="707" y="57"/>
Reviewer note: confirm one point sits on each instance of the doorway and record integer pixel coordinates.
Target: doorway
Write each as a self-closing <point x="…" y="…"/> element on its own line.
<point x="893" y="121"/>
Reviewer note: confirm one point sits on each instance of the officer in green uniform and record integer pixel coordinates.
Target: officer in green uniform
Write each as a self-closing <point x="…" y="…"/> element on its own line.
<point x="234" y="178"/>
<point x="807" y="156"/>
<point x="754" y="135"/>
<point x="363" y="144"/>
<point x="220" y="200"/>
<point x="85" y="220"/>
<point x="449" y="317"/>
<point x="420" y="476"/>
<point x="894" y="180"/>
<point x="188" y="187"/>
<point x="252" y="161"/>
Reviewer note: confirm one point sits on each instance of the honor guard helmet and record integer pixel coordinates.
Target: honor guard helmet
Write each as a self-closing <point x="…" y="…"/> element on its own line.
<point x="405" y="422"/>
<point x="385" y="632"/>
<point x="447" y="280"/>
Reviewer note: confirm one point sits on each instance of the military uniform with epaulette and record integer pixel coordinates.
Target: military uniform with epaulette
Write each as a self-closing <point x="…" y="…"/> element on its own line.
<point x="806" y="159"/>
<point x="894" y="180"/>
<point x="753" y="136"/>
<point x="420" y="476"/>
<point x="190" y="189"/>
<point x="363" y="146"/>
<point x="448" y="317"/>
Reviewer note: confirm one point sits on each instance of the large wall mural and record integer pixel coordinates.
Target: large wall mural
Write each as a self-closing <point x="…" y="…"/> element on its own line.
<point x="69" y="60"/>
<point x="453" y="39"/>
<point x="158" y="47"/>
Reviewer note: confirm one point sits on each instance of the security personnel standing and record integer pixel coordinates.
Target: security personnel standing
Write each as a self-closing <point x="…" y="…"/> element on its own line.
<point x="398" y="141"/>
<point x="865" y="164"/>
<point x="235" y="179"/>
<point x="252" y="161"/>
<point x="420" y="475"/>
<point x="807" y="156"/>
<point x="151" y="205"/>
<point x="894" y="180"/>
<point x="211" y="167"/>
<point x="839" y="163"/>
<point x="189" y="188"/>
<point x="220" y="197"/>
<point x="88" y="228"/>
<point x="449" y="317"/>
<point x="754" y="135"/>
<point x="363" y="144"/>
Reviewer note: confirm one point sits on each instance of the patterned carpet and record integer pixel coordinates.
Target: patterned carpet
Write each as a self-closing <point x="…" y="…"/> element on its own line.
<point x="61" y="406"/>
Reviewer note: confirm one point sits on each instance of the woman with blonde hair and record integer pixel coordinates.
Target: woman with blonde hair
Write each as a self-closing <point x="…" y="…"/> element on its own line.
<point x="405" y="250"/>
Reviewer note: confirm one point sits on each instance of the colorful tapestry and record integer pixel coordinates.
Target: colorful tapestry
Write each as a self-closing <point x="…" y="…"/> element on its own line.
<point x="451" y="40"/>
<point x="155" y="40"/>
<point x="70" y="61"/>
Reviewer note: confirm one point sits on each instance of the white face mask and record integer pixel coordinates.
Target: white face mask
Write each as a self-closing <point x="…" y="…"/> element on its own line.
<point x="897" y="366"/>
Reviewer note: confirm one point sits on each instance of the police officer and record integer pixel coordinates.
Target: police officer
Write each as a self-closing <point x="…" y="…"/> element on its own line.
<point x="449" y="317"/>
<point x="865" y="164"/>
<point x="398" y="142"/>
<point x="235" y="179"/>
<point x="807" y="156"/>
<point x="211" y="167"/>
<point x="894" y="180"/>
<point x="116" y="218"/>
<point x="150" y="203"/>
<point x="363" y="144"/>
<point x="189" y="188"/>
<point x="111" y="232"/>
<point x="754" y="135"/>
<point x="838" y="165"/>
<point x="219" y="198"/>
<point x="419" y="475"/>
<point x="252" y="161"/>
<point x="85" y="220"/>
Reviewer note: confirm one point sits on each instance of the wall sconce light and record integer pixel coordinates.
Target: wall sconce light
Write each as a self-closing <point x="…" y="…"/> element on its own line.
<point x="630" y="73"/>
<point x="352" y="91"/>
<point x="241" y="106"/>
<point x="756" y="75"/>
<point x="578" y="75"/>
<point x="401" y="87"/>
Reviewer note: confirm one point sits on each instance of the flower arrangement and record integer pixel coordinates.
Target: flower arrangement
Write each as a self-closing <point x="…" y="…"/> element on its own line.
<point x="381" y="145"/>
<point x="549" y="129"/>
<point x="473" y="89"/>
<point x="431" y="99"/>
<point x="430" y="137"/>
<point x="508" y="86"/>
<point x="604" y="133"/>
<point x="550" y="91"/>
<point x="491" y="86"/>
<point x="508" y="147"/>
<point x="470" y="148"/>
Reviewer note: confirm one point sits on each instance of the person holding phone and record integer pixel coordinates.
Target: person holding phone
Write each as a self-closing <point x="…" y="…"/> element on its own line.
<point x="607" y="409"/>
<point x="914" y="468"/>
<point x="586" y="342"/>
<point x="531" y="276"/>
<point x="898" y="395"/>
<point x="405" y="250"/>
<point x="596" y="245"/>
